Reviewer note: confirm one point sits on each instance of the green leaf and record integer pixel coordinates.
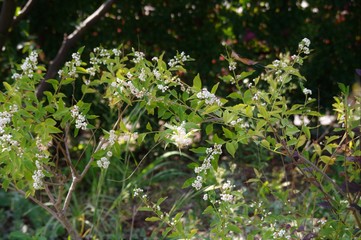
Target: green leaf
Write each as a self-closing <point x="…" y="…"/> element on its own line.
<point x="233" y="228"/>
<point x="146" y="209"/>
<point x="249" y="111"/>
<point x="54" y="83"/>
<point x="209" y="210"/>
<point x="197" y="83"/>
<point x="209" y="129"/>
<point x="258" y="174"/>
<point x="167" y="230"/>
<point x="265" y="143"/>
<point x="210" y="109"/>
<point x="214" y="88"/>
<point x="160" y="200"/>
<point x="263" y="112"/>
<point x="291" y="130"/>
<point x="67" y="81"/>
<point x="52" y="129"/>
<point x="7" y="86"/>
<point x="227" y="133"/>
<point x="306" y="131"/>
<point x="81" y="70"/>
<point x="231" y="148"/>
<point x="81" y="49"/>
<point x="198" y="150"/>
<point x="243" y="75"/>
<point x="235" y="95"/>
<point x="188" y="182"/>
<point x="148" y="127"/>
<point x="152" y="219"/>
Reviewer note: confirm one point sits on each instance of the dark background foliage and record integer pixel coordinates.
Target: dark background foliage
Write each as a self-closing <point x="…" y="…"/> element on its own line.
<point x="259" y="30"/>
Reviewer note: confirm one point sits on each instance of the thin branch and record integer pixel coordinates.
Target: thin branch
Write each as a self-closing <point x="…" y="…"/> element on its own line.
<point x="6" y="19"/>
<point x="24" y="11"/>
<point x="68" y="42"/>
<point x="74" y="174"/>
<point x="50" y="195"/>
<point x="314" y="167"/>
<point x="70" y="192"/>
<point x="46" y="208"/>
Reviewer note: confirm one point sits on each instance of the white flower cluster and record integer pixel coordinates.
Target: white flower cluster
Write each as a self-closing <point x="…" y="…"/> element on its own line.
<point x="217" y="149"/>
<point x="304" y="45"/>
<point x="234" y="122"/>
<point x="104" y="54"/>
<point x="197" y="184"/>
<point x="6" y="139"/>
<point x="111" y="140"/>
<point x="121" y="84"/>
<point x="279" y="64"/>
<point x="104" y="161"/>
<point x="142" y="75"/>
<point x="112" y="137"/>
<point x="5" y="118"/>
<point x="180" y="137"/>
<point x="157" y="74"/>
<point x="139" y="56"/>
<point x="128" y="138"/>
<point x="307" y="91"/>
<point x="226" y="197"/>
<point x="71" y="65"/>
<point x="178" y="59"/>
<point x="135" y="91"/>
<point x="38" y="176"/>
<point x="80" y="120"/>
<point x="138" y="192"/>
<point x="205" y="197"/>
<point x="162" y="87"/>
<point x="296" y="59"/>
<point x="116" y="52"/>
<point x="280" y="234"/>
<point x="208" y="97"/>
<point x="91" y="71"/>
<point x="301" y="120"/>
<point x="28" y="66"/>
<point x="327" y="119"/>
<point x="226" y="188"/>
<point x="232" y="66"/>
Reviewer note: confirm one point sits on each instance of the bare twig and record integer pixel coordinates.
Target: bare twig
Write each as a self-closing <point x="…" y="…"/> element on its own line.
<point x="317" y="169"/>
<point x="24" y="11"/>
<point x="68" y="42"/>
<point x="74" y="174"/>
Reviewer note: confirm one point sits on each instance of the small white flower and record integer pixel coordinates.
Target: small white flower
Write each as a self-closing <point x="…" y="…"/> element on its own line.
<point x="327" y="119"/>
<point x="205" y="197"/>
<point x="137" y="191"/>
<point x="226" y="197"/>
<point x="232" y="66"/>
<point x="208" y="97"/>
<point x="307" y="91"/>
<point x="180" y="137"/>
<point x="197" y="184"/>
<point x="103" y="163"/>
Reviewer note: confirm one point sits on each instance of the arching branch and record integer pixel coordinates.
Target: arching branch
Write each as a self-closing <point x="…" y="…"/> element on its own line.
<point x="68" y="42"/>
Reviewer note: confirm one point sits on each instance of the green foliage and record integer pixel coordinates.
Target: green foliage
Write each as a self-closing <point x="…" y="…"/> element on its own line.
<point x="51" y="145"/>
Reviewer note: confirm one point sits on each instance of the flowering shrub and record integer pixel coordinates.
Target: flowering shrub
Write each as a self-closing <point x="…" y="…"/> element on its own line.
<point x="256" y="112"/>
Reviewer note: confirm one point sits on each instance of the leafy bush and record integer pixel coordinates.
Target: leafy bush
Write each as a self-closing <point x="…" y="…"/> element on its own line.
<point x="51" y="145"/>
